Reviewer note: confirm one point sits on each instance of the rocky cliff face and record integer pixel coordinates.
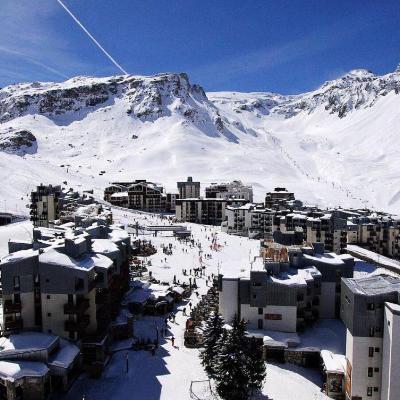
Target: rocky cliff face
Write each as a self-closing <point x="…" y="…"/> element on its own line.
<point x="356" y="90"/>
<point x="18" y="142"/>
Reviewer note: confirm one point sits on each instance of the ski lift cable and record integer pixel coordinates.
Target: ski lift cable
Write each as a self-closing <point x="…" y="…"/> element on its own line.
<point x="92" y="38"/>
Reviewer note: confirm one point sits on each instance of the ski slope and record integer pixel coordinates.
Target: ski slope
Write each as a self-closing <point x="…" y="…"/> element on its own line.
<point x="91" y="131"/>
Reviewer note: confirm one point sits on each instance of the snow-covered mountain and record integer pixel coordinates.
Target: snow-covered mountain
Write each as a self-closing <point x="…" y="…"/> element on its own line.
<point x="335" y="145"/>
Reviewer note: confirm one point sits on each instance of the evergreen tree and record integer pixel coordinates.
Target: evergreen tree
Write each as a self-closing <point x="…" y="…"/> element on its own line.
<point x="255" y="365"/>
<point x="212" y="333"/>
<point x="232" y="378"/>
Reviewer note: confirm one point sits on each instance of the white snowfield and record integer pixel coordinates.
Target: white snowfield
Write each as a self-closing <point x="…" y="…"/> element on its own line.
<point x="169" y="374"/>
<point x="336" y="145"/>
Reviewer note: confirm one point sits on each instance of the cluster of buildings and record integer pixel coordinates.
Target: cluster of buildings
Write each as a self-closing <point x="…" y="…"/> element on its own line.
<point x="54" y="205"/>
<point x="281" y="216"/>
<point x="287" y="288"/>
<point x="140" y="195"/>
<point x="377" y="232"/>
<point x="61" y="296"/>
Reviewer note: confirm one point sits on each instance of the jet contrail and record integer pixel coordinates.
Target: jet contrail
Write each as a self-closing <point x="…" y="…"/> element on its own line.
<point x="91" y="37"/>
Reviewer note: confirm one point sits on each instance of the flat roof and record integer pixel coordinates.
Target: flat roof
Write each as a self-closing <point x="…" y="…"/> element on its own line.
<point x="374" y="284"/>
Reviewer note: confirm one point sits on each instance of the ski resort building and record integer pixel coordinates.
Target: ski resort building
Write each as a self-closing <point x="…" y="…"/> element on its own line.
<point x="33" y="364"/>
<point x="285" y="288"/>
<point x="5" y="218"/>
<point x="231" y="190"/>
<point x="371" y="312"/>
<point x="250" y="220"/>
<point x="281" y="198"/>
<point x="204" y="211"/>
<point x="189" y="189"/>
<point x="140" y="195"/>
<point x="44" y="205"/>
<point x="68" y="282"/>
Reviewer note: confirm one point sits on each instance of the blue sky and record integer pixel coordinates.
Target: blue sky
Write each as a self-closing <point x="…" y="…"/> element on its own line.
<point x="246" y="45"/>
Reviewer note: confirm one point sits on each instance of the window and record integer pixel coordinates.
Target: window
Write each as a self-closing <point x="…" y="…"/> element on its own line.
<point x="376" y="369"/>
<point x="376" y="389"/>
<point x="48" y="297"/>
<point x="371" y="331"/>
<point x="369" y="391"/>
<point x="260" y="310"/>
<point x="376" y="349"/>
<point x="256" y="283"/>
<point x="254" y="296"/>
<point x="16" y="282"/>
<point x="388" y="323"/>
<point x="17" y="298"/>
<point x="371" y="306"/>
<point x="273" y="317"/>
<point x="370" y="372"/>
<point x="370" y="351"/>
<point x="49" y="314"/>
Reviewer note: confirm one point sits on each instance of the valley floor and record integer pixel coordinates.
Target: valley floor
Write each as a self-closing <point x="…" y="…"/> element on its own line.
<point x="168" y="374"/>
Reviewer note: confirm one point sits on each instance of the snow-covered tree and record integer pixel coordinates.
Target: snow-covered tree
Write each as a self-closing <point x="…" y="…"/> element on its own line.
<point x="212" y="333"/>
<point x="231" y="374"/>
<point x="255" y="367"/>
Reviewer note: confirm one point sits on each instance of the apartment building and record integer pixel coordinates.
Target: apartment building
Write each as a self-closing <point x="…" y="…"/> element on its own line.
<point x="189" y="189"/>
<point x="69" y="283"/>
<point x="203" y="211"/>
<point x="44" y="205"/>
<point x="230" y="190"/>
<point x="250" y="220"/>
<point x="281" y="198"/>
<point x="285" y="288"/>
<point x="317" y="227"/>
<point x="370" y="310"/>
<point x="140" y="195"/>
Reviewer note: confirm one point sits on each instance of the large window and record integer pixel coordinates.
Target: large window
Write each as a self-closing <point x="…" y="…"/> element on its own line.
<point x="273" y="317"/>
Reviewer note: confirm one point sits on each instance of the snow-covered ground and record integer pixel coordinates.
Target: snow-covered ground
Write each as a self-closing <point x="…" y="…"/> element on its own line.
<point x="164" y="131"/>
<point x="18" y="230"/>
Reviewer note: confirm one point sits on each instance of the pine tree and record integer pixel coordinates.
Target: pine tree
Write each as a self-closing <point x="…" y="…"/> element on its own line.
<point x="211" y="334"/>
<point x="232" y="378"/>
<point x="255" y="365"/>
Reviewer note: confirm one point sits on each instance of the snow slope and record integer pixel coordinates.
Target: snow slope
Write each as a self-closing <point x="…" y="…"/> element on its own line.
<point x="335" y="145"/>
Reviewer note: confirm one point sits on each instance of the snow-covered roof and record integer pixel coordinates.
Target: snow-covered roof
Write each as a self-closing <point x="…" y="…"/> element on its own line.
<point x="86" y="262"/>
<point x="104" y="246"/>
<point x="328" y="258"/>
<point x="65" y="355"/>
<point x="333" y="363"/>
<point x="27" y="341"/>
<point x="13" y="370"/>
<point x="20" y="255"/>
<point x="119" y="194"/>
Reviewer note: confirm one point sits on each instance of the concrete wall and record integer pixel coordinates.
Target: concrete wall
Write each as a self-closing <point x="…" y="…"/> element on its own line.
<point x="55" y="306"/>
<point x="391" y="353"/>
<point x="286" y="324"/>
<point x="327" y="300"/>
<point x="228" y="299"/>
<point x="28" y="310"/>
<point x="357" y="354"/>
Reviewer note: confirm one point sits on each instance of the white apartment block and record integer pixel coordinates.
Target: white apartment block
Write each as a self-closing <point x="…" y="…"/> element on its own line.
<point x="370" y="311"/>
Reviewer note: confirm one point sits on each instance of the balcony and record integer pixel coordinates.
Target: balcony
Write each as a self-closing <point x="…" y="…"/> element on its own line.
<point x="13" y="325"/>
<point x="79" y="308"/>
<point x="77" y="326"/>
<point x="10" y="307"/>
